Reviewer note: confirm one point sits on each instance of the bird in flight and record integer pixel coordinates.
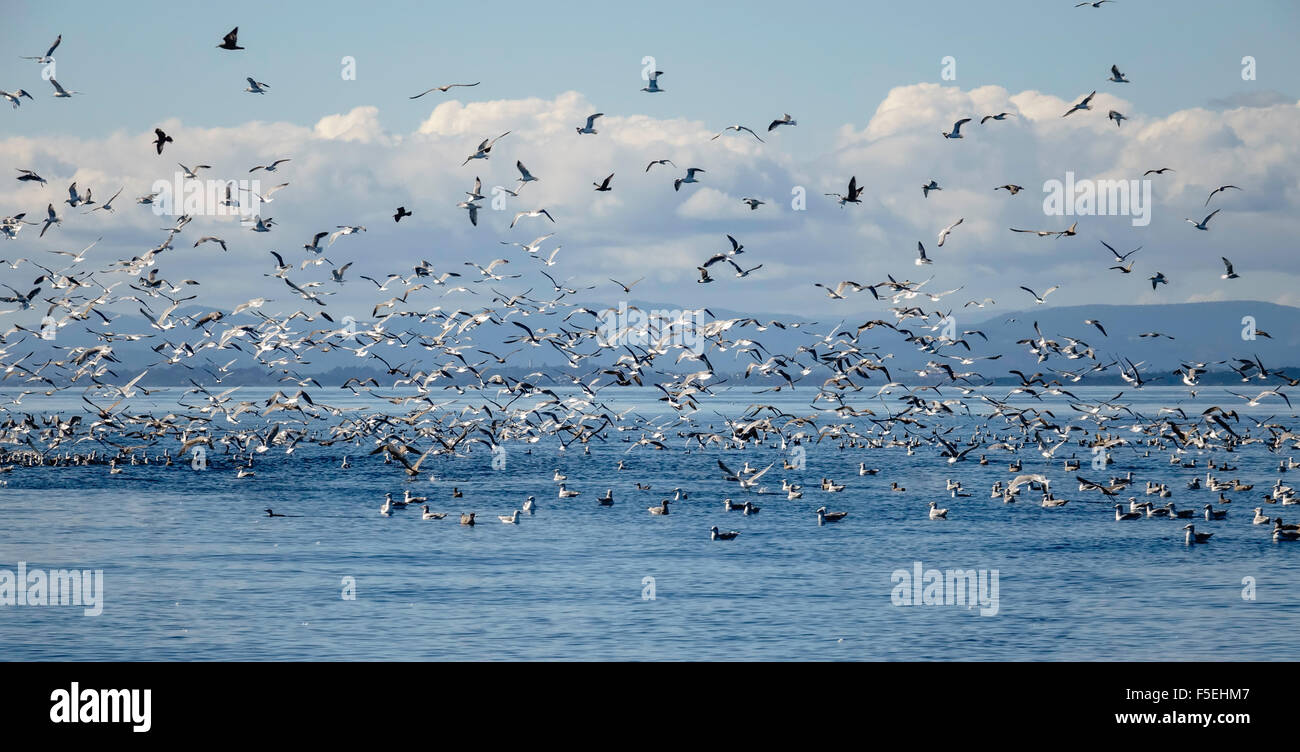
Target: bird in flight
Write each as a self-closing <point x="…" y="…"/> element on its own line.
<point x="653" y="86"/>
<point x="1204" y="224"/>
<point x="999" y="116"/>
<point x="783" y="120"/>
<point x="401" y="212"/>
<point x="659" y="162"/>
<point x="230" y="41"/>
<point x="690" y="177"/>
<point x="1116" y="76"/>
<point x="256" y="87"/>
<point x="956" y="129"/>
<point x="591" y="122"/>
<point x="1158" y="279"/>
<point x="943" y="234"/>
<point x="1084" y="104"/>
<point x="443" y="89"/>
<point x="47" y="57"/>
<point x="604" y="184"/>
<point x="1010" y="188"/>
<point x="1220" y="189"/>
<point x="1160" y="171"/>
<point x="1040" y="299"/>
<point x="1228" y="273"/>
<point x="161" y="138"/>
<point x="852" y="197"/>
<point x="736" y="128"/>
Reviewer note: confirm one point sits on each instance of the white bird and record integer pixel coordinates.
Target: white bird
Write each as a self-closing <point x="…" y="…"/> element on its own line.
<point x="345" y="230"/>
<point x="13" y="97"/>
<point x="256" y="87"/>
<point x="1229" y="273"/>
<point x="943" y="234"/>
<point x="1117" y="116"/>
<point x="472" y="208"/>
<point x="737" y="128"/>
<point x="591" y="121"/>
<point x="1084" y="104"/>
<point x="956" y="129"/>
<point x="936" y="513"/>
<point x="484" y="149"/>
<point x="271" y="167"/>
<point x="783" y="120"/>
<point x="47" y="57"/>
<point x="524" y="175"/>
<point x="653" y="86"/>
<point x="923" y="260"/>
<point x="690" y="178"/>
<point x="1116" y="76"/>
<point x="1040" y="299"/>
<point x="443" y="89"/>
<point x="533" y="213"/>
<point x="1204" y="224"/>
<point x="60" y="92"/>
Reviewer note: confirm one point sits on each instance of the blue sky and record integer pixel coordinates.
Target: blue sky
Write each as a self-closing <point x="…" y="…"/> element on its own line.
<point x="141" y="62"/>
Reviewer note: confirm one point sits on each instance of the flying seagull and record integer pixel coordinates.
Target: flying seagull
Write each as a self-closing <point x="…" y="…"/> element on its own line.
<point x="591" y="122"/>
<point x="1229" y="274"/>
<point x="923" y="260"/>
<point x="1204" y="223"/>
<point x="47" y="57"/>
<point x="604" y="184"/>
<point x="659" y="162"/>
<point x="1040" y="299"/>
<point x="783" y="120"/>
<point x="653" y="87"/>
<point x="999" y="116"/>
<point x="29" y="176"/>
<point x="401" y="212"/>
<point x="524" y="175"/>
<point x="690" y="177"/>
<point x="1158" y="279"/>
<point x="484" y="149"/>
<point x="160" y="139"/>
<point x="1010" y="188"/>
<point x="1117" y="116"/>
<point x="230" y="41"/>
<point x="1116" y="76"/>
<point x="12" y="98"/>
<point x="533" y="213"/>
<point x="737" y="128"/>
<point x="1084" y="104"/>
<point x="852" y="197"/>
<point x="956" y="129"/>
<point x="60" y="92"/>
<point x="1160" y="171"/>
<point x="256" y="87"/>
<point x="930" y="186"/>
<point x="443" y="89"/>
<point x="271" y="167"/>
<point x="1218" y="190"/>
<point x="753" y="202"/>
<point x="943" y="234"/>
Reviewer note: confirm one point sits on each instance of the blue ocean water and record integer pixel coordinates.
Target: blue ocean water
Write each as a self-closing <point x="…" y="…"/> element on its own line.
<point x="194" y="570"/>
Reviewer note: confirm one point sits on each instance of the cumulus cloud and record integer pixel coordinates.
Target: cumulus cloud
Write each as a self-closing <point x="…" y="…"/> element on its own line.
<point x="348" y="168"/>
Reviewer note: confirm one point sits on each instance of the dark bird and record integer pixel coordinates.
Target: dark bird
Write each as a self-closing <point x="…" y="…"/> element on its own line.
<point x="604" y="184"/>
<point x="230" y="41"/>
<point x="162" y="138"/>
<point x="401" y="212"/>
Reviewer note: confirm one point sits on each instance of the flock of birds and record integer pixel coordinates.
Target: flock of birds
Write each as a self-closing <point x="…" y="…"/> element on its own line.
<point x="423" y="350"/>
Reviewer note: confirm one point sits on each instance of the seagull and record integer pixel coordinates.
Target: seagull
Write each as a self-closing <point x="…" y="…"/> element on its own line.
<point x="230" y="41"/>
<point x="472" y="208"/>
<point x="524" y="175"/>
<point x="1118" y="258"/>
<point x="51" y="219"/>
<point x="160" y="139"/>
<point x="1096" y="323"/>
<point x="533" y="213"/>
<point x="1096" y="4"/>
<point x="1204" y="223"/>
<point x="271" y="167"/>
<point x="47" y="57"/>
<point x="443" y="89"/>
<point x="753" y="203"/>
<point x="1067" y="232"/>
<point x="1040" y="299"/>
<point x="653" y="88"/>
<point x="704" y="276"/>
<point x="659" y="162"/>
<point x="591" y="121"/>
<point x="484" y="149"/>
<point x="1158" y="279"/>
<point x="1160" y="171"/>
<point x="715" y="534"/>
<point x="401" y="212"/>
<point x="930" y="186"/>
<point x="337" y="274"/>
<point x="194" y="173"/>
<point x="1117" y="116"/>
<point x="690" y="177"/>
<point x="60" y="92"/>
<point x="1010" y="188"/>
<point x="28" y="175"/>
<point x="1116" y="76"/>
<point x="604" y="184"/>
<point x="345" y="230"/>
<point x="783" y="120"/>
<point x="532" y="247"/>
<point x="107" y="205"/>
<point x="999" y="116"/>
<point x="1217" y="190"/>
<point x="1084" y="104"/>
<point x="852" y="197"/>
<point x="956" y="129"/>
<point x="736" y="128"/>
<point x="75" y="199"/>
<point x="13" y="97"/>
<point x="923" y="260"/>
<point x="1229" y="274"/>
<point x="211" y="239"/>
<point x="838" y="292"/>
<point x="256" y="87"/>
<point x="943" y="234"/>
<point x="743" y="272"/>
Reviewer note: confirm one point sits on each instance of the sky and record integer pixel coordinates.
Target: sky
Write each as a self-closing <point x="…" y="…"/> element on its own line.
<point x="865" y="83"/>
